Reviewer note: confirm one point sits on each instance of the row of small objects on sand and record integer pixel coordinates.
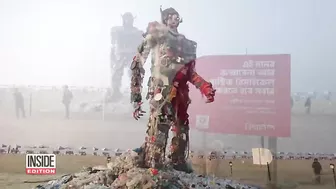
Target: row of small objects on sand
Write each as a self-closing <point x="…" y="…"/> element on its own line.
<point x="123" y="172"/>
<point x="43" y="149"/>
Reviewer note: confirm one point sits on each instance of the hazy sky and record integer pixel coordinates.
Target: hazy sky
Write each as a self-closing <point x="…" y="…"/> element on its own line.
<point x="56" y="42"/>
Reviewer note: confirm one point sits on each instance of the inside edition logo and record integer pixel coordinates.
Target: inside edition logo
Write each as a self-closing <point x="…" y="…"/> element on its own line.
<point x="40" y="164"/>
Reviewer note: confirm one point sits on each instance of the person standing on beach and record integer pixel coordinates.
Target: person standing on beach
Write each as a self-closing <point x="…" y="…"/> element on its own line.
<point x="308" y="105"/>
<point x="19" y="103"/>
<point x="67" y="98"/>
<point x="317" y="168"/>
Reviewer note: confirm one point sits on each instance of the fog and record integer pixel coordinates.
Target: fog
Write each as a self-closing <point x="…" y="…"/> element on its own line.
<point x="48" y="42"/>
<point x="58" y="42"/>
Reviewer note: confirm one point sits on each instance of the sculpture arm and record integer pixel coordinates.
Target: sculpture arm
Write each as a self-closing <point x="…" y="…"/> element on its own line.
<point x="114" y="36"/>
<point x="205" y="87"/>
<point x="143" y="51"/>
<point x="138" y="72"/>
<point x="114" y="40"/>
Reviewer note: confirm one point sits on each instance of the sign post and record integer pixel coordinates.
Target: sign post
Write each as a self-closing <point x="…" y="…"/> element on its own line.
<point x="272" y="143"/>
<point x="104" y="104"/>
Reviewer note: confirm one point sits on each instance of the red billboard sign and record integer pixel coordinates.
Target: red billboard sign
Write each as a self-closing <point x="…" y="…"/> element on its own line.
<point x="252" y="97"/>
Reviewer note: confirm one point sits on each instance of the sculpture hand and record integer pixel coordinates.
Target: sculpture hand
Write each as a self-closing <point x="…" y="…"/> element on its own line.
<point x="138" y="112"/>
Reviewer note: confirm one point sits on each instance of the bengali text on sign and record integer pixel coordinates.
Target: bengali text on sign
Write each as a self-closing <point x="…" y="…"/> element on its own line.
<point x="252" y="97"/>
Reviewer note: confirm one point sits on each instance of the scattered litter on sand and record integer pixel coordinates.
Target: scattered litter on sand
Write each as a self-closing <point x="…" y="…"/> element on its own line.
<point x="123" y="172"/>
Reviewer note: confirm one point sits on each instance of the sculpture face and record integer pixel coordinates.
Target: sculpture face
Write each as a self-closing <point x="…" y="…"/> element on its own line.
<point x="173" y="21"/>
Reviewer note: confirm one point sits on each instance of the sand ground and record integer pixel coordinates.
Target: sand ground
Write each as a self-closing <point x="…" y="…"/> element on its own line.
<point x="310" y="133"/>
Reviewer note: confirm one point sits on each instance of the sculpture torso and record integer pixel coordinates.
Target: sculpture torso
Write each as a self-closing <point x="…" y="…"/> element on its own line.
<point x="171" y="52"/>
<point x="126" y="40"/>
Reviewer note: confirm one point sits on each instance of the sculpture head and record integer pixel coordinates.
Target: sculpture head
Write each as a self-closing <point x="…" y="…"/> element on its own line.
<point x="128" y="19"/>
<point x="170" y="17"/>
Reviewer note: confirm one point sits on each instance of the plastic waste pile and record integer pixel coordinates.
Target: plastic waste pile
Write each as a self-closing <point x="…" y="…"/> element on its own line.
<point x="122" y="172"/>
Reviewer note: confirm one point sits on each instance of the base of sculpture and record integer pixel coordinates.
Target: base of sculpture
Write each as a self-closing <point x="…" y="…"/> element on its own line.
<point x="124" y="172"/>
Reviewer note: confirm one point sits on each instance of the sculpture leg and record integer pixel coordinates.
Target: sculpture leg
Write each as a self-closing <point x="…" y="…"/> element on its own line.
<point x="157" y="136"/>
<point x="129" y="72"/>
<point x="117" y="73"/>
<point x="180" y="142"/>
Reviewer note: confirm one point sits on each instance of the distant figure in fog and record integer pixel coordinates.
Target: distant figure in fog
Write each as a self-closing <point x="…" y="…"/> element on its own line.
<point x="19" y="104"/>
<point x="317" y="168"/>
<point x="327" y="96"/>
<point x="2" y="95"/>
<point x="67" y="98"/>
<point x="308" y="105"/>
<point x="108" y="96"/>
<point x="292" y="102"/>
